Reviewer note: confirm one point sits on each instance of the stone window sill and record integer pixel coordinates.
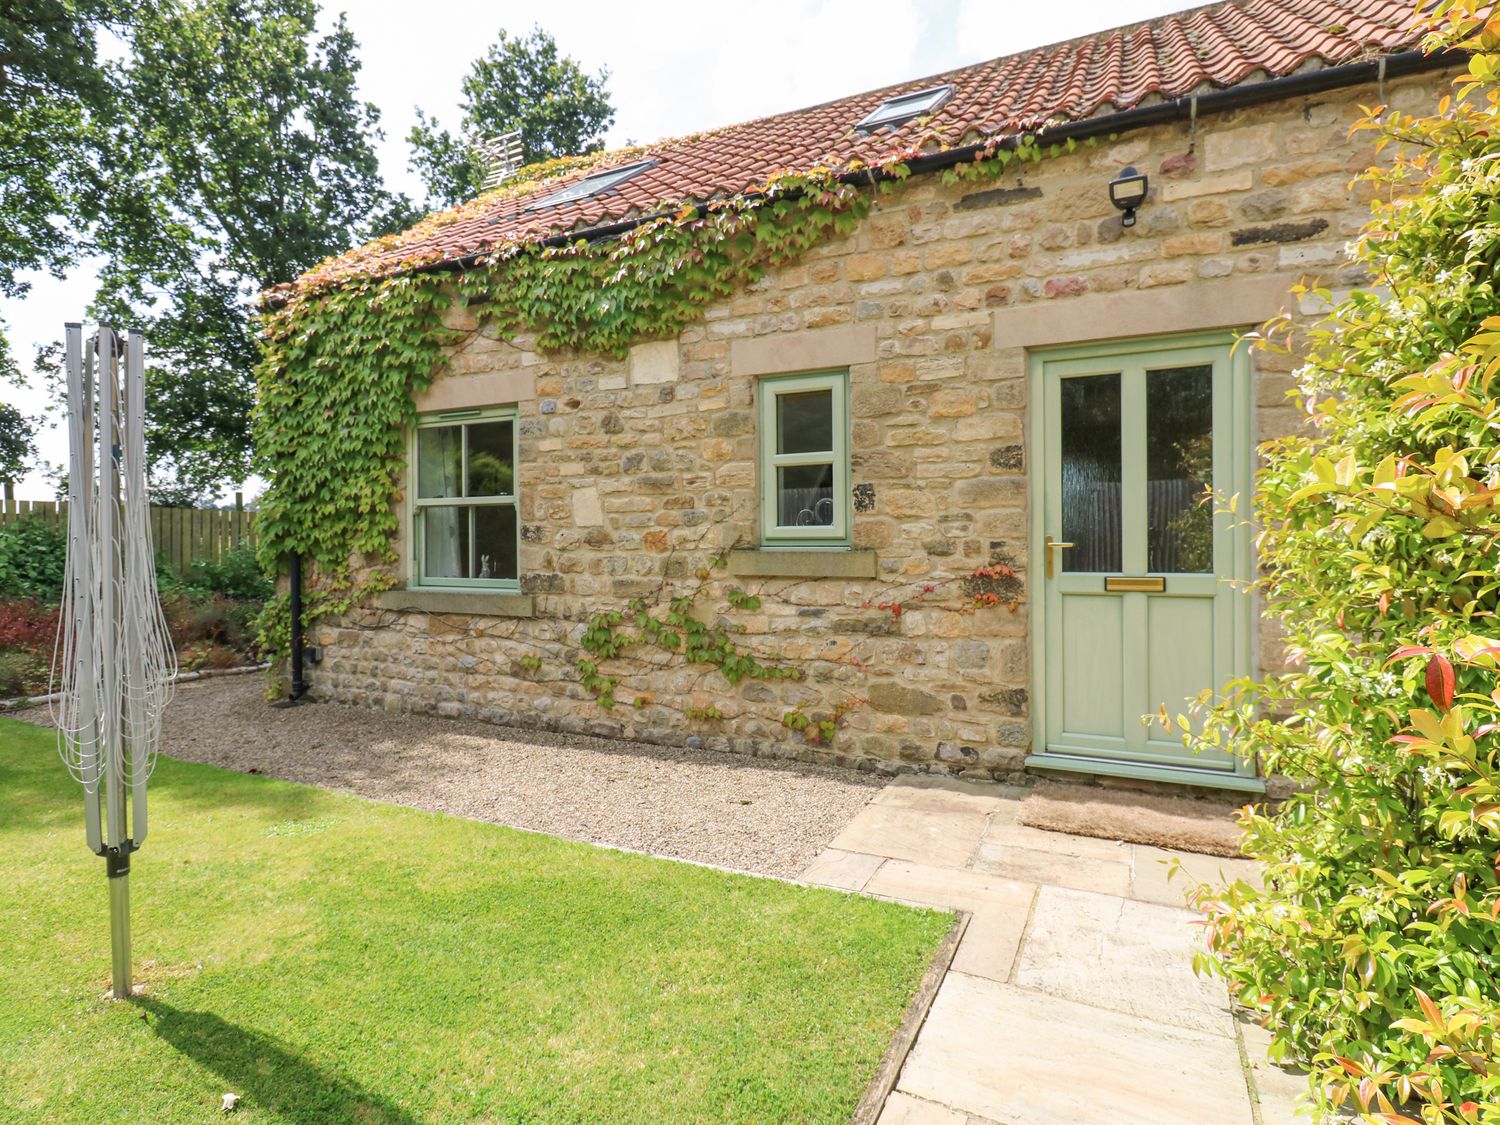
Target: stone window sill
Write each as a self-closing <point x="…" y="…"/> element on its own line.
<point x="830" y="562"/>
<point x="468" y="603"/>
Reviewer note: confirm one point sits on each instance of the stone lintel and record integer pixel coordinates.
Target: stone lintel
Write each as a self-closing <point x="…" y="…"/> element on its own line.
<point x="997" y="197"/>
<point x="806" y="350"/>
<point x="1232" y="303"/>
<point x="464" y="392"/>
<point x="835" y="562"/>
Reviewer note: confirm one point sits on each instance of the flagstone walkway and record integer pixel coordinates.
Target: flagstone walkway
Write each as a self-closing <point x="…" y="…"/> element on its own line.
<point x="1071" y="999"/>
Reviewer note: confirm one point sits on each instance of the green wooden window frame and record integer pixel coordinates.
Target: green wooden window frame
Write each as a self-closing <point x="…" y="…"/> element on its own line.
<point x="418" y="505"/>
<point x="775" y="533"/>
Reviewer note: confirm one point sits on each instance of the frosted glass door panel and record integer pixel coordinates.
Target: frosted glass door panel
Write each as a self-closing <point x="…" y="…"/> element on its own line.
<point x="1091" y="473"/>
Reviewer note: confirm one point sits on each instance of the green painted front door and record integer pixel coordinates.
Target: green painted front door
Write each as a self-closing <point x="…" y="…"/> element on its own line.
<point x="1137" y="558"/>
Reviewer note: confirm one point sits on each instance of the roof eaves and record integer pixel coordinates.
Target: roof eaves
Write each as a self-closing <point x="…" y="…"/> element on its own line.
<point x="1061" y="128"/>
<point x="1016" y="109"/>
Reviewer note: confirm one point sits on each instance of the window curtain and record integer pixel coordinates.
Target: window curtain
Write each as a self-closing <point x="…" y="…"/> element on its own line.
<point x="446" y="529"/>
<point x="807" y="507"/>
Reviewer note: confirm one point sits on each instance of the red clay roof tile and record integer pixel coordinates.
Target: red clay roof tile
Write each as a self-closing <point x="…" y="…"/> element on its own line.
<point x="1193" y="51"/>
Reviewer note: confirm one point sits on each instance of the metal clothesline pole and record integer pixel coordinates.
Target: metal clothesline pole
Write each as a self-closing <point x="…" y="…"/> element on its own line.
<point x="114" y="651"/>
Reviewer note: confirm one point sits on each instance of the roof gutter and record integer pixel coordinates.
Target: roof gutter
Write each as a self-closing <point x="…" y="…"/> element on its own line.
<point x="1300" y="84"/>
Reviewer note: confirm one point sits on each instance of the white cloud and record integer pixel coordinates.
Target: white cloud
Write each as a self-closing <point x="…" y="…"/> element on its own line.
<point x="778" y="60"/>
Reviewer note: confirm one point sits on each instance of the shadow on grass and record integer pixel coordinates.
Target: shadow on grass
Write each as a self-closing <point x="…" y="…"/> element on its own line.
<point x="266" y="1075"/>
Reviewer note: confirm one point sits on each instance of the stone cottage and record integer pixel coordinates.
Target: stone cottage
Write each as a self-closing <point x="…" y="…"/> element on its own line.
<point x="952" y="466"/>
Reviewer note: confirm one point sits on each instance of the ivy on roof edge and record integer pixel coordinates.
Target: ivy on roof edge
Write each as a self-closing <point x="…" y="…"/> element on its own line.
<point x="344" y="352"/>
<point x="371" y="259"/>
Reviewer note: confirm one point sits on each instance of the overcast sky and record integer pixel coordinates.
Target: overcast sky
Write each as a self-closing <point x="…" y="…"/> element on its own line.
<point x="673" y="70"/>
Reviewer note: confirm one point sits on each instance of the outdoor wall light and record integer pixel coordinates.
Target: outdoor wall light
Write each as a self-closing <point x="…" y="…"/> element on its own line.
<point x="1127" y="192"/>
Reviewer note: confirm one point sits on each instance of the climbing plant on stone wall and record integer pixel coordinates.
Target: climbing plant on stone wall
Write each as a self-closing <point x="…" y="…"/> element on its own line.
<point x="349" y="345"/>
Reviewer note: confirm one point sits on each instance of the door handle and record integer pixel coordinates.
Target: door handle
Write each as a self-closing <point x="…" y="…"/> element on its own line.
<point x="1051" y="546"/>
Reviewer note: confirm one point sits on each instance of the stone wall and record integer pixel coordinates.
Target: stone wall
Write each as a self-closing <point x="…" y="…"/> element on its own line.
<point x="638" y="472"/>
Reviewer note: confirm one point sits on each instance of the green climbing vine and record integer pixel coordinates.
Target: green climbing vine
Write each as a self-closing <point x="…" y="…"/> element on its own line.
<point x="673" y="628"/>
<point x="347" y="346"/>
<point x="667" y="621"/>
<point x="343" y="358"/>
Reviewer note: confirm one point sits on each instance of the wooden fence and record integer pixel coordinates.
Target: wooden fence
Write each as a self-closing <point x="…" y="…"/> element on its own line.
<point x="181" y="536"/>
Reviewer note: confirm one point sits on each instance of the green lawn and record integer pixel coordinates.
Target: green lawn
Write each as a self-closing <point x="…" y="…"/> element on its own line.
<point x="332" y="959"/>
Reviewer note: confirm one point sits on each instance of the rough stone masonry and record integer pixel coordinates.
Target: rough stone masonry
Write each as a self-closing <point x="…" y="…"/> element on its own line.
<point x="637" y="471"/>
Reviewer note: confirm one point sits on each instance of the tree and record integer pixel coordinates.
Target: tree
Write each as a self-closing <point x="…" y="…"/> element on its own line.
<point x="53" y="94"/>
<point x="245" y="158"/>
<point x="519" y="83"/>
<point x="17" y="447"/>
<point x="1373" y="951"/>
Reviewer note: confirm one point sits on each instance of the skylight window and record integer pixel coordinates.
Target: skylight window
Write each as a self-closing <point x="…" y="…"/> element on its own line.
<point x="897" y="111"/>
<point x="592" y="185"/>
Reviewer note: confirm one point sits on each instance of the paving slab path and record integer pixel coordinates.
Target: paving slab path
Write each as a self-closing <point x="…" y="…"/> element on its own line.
<point x="1071" y="999"/>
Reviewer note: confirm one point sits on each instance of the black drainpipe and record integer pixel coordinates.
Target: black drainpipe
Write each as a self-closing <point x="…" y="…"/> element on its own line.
<point x="299" y="684"/>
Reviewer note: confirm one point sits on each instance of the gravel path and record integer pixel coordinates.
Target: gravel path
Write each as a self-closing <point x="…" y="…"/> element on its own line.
<point x="712" y="807"/>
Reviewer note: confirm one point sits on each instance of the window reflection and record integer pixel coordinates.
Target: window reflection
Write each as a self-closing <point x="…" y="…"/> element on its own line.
<point x="1091" y="473"/>
<point x="1179" y="475"/>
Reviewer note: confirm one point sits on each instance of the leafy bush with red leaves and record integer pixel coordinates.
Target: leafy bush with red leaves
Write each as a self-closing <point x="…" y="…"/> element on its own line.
<point x="27" y="624"/>
<point x="27" y="633"/>
<point x="208" y="632"/>
<point x="212" y="632"/>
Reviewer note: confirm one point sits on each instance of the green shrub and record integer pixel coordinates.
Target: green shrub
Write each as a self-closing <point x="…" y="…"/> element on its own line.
<point x="33" y="553"/>
<point x="211" y="611"/>
<point x="236" y="575"/>
<point x="1373" y="954"/>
